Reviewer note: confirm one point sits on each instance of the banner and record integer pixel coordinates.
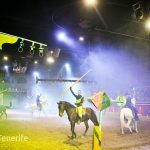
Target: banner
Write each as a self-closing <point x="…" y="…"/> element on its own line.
<point x="97" y="138"/>
<point x="101" y="101"/>
<point x="4" y="38"/>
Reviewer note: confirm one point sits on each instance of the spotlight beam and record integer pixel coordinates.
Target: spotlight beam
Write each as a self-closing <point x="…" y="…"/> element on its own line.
<point x="101" y="17"/>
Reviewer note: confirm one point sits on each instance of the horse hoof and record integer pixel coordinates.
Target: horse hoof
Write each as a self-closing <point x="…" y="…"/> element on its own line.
<point x="122" y="133"/>
<point x="70" y="137"/>
<point x="83" y="136"/>
<point x="137" y="131"/>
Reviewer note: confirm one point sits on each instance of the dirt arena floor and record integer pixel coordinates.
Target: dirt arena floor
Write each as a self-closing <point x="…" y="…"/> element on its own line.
<point x="51" y="133"/>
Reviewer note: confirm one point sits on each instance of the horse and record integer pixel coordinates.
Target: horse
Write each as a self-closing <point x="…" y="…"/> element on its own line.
<point x="126" y="114"/>
<point x="73" y="116"/>
<point x="33" y="107"/>
<point x="3" y="111"/>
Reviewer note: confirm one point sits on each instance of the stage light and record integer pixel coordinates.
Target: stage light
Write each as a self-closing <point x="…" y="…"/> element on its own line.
<point x="5" y="58"/>
<point x="90" y="2"/>
<point x="6" y="67"/>
<point x="67" y="66"/>
<point x="35" y="62"/>
<point x="50" y="59"/>
<point x="36" y="74"/>
<point x="68" y="70"/>
<point x="138" y="11"/>
<point x="32" y="47"/>
<point x="41" y="50"/>
<point x="81" y="38"/>
<point x="148" y="24"/>
<point x="61" y="36"/>
<point x="51" y="52"/>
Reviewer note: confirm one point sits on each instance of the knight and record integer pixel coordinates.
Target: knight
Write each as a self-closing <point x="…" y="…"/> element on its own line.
<point x="38" y="102"/>
<point x="79" y="102"/>
<point x="131" y="105"/>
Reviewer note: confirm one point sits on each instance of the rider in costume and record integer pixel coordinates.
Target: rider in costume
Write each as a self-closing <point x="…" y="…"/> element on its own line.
<point x="130" y="105"/>
<point x="38" y="102"/>
<point x="79" y="102"/>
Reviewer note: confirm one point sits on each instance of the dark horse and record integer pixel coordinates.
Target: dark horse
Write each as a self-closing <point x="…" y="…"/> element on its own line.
<point x="73" y="117"/>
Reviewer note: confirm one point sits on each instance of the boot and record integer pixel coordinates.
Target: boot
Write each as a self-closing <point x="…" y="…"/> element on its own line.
<point x="136" y="117"/>
<point x="135" y="114"/>
<point x="79" y="121"/>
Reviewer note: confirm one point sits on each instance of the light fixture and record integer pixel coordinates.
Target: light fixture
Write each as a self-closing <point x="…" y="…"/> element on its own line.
<point x="67" y="66"/>
<point x="50" y="59"/>
<point x="36" y="74"/>
<point x="32" y="49"/>
<point x="20" y="49"/>
<point x="138" y="11"/>
<point x="6" y="67"/>
<point x="81" y="38"/>
<point x="5" y="58"/>
<point x="148" y="24"/>
<point x="41" y="50"/>
<point x="61" y="36"/>
<point x="51" y="52"/>
<point x="35" y="62"/>
<point x="90" y="2"/>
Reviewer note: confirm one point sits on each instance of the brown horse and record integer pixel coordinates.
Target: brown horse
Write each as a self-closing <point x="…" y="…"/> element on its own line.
<point x="73" y="116"/>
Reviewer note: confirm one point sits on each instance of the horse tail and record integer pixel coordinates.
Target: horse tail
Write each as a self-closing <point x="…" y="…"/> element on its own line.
<point x="122" y="118"/>
<point x="93" y="118"/>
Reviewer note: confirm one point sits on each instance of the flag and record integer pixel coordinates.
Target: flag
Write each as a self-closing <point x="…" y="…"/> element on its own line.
<point x="97" y="138"/>
<point x="121" y="101"/>
<point x="5" y="38"/>
<point x="101" y="101"/>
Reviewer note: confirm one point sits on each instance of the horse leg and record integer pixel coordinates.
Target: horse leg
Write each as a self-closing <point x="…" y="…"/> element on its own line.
<point x="39" y="113"/>
<point x="44" y="112"/>
<point x="122" y="128"/>
<point x="1" y="115"/>
<point x="32" y="113"/>
<point x="5" y="114"/>
<point x="72" y="130"/>
<point x="87" y="127"/>
<point x="122" y="123"/>
<point x="128" y="125"/>
<point x="135" y="124"/>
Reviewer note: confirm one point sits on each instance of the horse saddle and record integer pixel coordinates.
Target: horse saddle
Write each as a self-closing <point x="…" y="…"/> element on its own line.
<point x="83" y="111"/>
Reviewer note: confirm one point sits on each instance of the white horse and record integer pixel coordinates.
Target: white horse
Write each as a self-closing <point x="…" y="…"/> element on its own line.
<point x="126" y="114"/>
<point x="33" y="107"/>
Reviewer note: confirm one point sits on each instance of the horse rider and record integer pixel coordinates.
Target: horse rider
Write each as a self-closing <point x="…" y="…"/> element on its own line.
<point x="79" y="102"/>
<point x="38" y="102"/>
<point x="130" y="105"/>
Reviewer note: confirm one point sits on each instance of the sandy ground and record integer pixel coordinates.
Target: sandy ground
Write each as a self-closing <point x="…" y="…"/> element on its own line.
<point x="51" y="133"/>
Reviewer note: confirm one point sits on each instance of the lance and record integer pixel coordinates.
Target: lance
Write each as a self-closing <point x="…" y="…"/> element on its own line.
<point x="65" y="91"/>
<point x="2" y="91"/>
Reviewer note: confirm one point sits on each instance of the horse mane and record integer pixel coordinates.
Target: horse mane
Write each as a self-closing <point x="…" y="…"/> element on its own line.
<point x="68" y="104"/>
